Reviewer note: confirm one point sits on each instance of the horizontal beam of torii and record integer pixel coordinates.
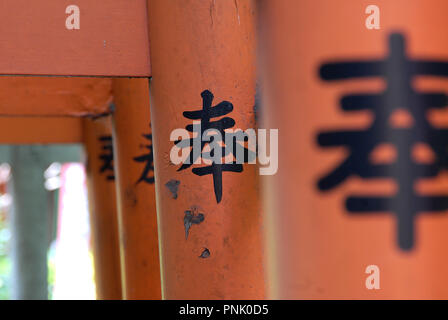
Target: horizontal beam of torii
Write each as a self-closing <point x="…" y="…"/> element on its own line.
<point x="107" y="38"/>
<point x="69" y="38"/>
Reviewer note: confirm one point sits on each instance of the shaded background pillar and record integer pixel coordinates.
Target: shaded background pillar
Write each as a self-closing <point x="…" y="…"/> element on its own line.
<point x="30" y="217"/>
<point x="30" y="223"/>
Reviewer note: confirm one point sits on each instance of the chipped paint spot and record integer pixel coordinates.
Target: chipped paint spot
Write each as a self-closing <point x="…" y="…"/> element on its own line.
<point x="173" y="186"/>
<point x="192" y="217"/>
<point x="205" y="254"/>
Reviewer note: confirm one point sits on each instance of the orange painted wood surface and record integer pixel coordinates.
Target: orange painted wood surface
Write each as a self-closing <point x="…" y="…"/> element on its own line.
<point x="111" y="41"/>
<point x="50" y="96"/>
<point x="42" y="130"/>
<point x="136" y="199"/>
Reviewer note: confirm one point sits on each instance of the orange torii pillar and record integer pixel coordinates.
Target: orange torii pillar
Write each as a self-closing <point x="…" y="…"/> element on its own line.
<point x="209" y="234"/>
<point x="359" y="206"/>
<point x="136" y="190"/>
<point x="102" y="203"/>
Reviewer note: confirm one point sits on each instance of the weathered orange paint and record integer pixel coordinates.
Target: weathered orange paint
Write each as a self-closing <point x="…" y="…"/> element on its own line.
<point x="318" y="249"/>
<point x="52" y="96"/>
<point x="103" y="211"/>
<point x="112" y="39"/>
<point x="41" y="130"/>
<point x="136" y="198"/>
<point x="197" y="46"/>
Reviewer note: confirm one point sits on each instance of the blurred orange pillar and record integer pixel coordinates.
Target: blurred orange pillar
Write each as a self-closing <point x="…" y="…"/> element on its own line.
<point x="136" y="190"/>
<point x="209" y="237"/>
<point x="362" y="124"/>
<point x="103" y="210"/>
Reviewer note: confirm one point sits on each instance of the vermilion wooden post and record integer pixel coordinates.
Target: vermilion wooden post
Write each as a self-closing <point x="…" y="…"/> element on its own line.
<point x="362" y="118"/>
<point x="210" y="241"/>
<point x="136" y="189"/>
<point x="102" y="203"/>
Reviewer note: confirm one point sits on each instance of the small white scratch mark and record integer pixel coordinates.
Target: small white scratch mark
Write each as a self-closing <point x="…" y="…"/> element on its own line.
<point x="212" y="8"/>
<point x="237" y="11"/>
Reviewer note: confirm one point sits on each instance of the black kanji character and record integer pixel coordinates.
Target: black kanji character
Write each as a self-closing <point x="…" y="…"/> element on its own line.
<point x="398" y="71"/>
<point x="148" y="159"/>
<point x="205" y="115"/>
<point x="107" y="157"/>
